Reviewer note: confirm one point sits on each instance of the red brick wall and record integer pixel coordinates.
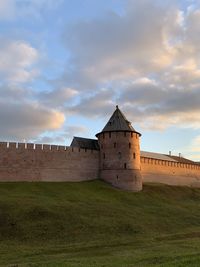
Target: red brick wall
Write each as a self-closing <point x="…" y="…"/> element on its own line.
<point x="171" y="173"/>
<point x="120" y="159"/>
<point x="28" y="162"/>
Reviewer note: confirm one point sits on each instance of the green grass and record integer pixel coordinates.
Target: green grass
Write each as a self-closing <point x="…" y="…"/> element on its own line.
<point x="90" y="224"/>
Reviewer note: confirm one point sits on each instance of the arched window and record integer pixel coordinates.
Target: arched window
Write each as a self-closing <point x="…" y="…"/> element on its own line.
<point x="124" y="165"/>
<point x="134" y="155"/>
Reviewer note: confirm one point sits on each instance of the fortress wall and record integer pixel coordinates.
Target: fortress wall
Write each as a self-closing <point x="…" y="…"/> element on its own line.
<point x="36" y="162"/>
<point x="169" y="172"/>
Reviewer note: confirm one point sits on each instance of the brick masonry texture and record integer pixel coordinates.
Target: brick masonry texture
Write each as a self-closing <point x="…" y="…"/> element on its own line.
<point x="29" y="162"/>
<point x="36" y="162"/>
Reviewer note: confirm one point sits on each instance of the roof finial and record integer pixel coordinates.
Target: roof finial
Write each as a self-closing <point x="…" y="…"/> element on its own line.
<point x="117" y="107"/>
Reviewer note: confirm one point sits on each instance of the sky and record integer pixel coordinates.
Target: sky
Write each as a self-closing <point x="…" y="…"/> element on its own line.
<point x="66" y="64"/>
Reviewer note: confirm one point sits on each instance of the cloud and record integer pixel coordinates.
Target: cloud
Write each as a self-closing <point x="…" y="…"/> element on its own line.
<point x="117" y="47"/>
<point x="17" y="61"/>
<point x="61" y="137"/>
<point x="58" y="98"/>
<point x="27" y="120"/>
<point x="195" y="145"/>
<point x="146" y="59"/>
<point x="95" y="105"/>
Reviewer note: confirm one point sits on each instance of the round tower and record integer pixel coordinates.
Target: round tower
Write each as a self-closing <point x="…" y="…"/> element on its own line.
<point x="120" y="153"/>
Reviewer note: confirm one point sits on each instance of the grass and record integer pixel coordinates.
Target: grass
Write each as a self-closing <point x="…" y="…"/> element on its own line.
<point x="90" y="224"/>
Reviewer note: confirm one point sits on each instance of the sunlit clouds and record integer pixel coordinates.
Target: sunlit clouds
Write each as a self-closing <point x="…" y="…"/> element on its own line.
<point x="61" y="65"/>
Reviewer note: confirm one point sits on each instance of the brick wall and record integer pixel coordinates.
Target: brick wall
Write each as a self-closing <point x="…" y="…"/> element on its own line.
<point x="30" y="162"/>
<point x="169" y="172"/>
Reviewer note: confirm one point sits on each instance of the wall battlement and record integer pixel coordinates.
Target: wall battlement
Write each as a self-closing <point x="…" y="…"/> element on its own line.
<point x="168" y="163"/>
<point x="41" y="147"/>
<point x="42" y="162"/>
<point x="115" y="158"/>
<point x="170" y="172"/>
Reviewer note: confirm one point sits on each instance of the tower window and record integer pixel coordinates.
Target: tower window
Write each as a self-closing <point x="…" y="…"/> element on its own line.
<point x="124" y="165"/>
<point x="129" y="145"/>
<point x="109" y="134"/>
<point x="119" y="155"/>
<point x="134" y="155"/>
<point x="115" y="144"/>
<point x="104" y="155"/>
<point x="131" y="134"/>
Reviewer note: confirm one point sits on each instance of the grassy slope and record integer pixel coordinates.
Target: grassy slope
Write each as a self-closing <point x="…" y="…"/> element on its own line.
<point x="91" y="224"/>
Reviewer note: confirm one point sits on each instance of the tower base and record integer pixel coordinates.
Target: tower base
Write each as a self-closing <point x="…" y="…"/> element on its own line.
<point x="129" y="180"/>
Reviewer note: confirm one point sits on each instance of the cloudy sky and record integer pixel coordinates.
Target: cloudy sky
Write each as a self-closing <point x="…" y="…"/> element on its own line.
<point x="65" y="64"/>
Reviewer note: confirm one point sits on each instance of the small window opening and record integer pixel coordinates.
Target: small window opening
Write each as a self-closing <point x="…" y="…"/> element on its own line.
<point x="131" y="134"/>
<point x="134" y="155"/>
<point x="117" y="177"/>
<point x="124" y="165"/>
<point x="109" y="134"/>
<point x="119" y="155"/>
<point x="104" y="155"/>
<point x="103" y="135"/>
<point x="115" y="144"/>
<point x="110" y="123"/>
<point x="129" y="145"/>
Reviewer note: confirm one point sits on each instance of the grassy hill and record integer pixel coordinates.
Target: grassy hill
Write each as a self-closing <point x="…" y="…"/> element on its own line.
<point x="90" y="224"/>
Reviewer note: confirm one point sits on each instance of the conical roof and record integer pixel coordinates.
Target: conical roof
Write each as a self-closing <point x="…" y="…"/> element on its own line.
<point x="118" y="123"/>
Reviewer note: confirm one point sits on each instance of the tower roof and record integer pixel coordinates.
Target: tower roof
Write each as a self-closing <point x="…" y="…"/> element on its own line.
<point x="118" y="123"/>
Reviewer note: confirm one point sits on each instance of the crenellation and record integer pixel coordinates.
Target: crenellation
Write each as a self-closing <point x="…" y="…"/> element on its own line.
<point x="21" y="146"/>
<point x="30" y="146"/>
<point x="3" y="145"/>
<point x="11" y="145"/>
<point x="117" y="161"/>
<point x="38" y="146"/>
<point x="46" y="147"/>
<point x="61" y="148"/>
<point x="54" y="148"/>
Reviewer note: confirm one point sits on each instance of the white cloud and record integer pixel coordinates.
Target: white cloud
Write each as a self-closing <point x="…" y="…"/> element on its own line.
<point x="17" y="61"/>
<point x="58" y="98"/>
<point x="149" y="56"/>
<point x="117" y="47"/>
<point x="61" y="137"/>
<point x="26" y="120"/>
